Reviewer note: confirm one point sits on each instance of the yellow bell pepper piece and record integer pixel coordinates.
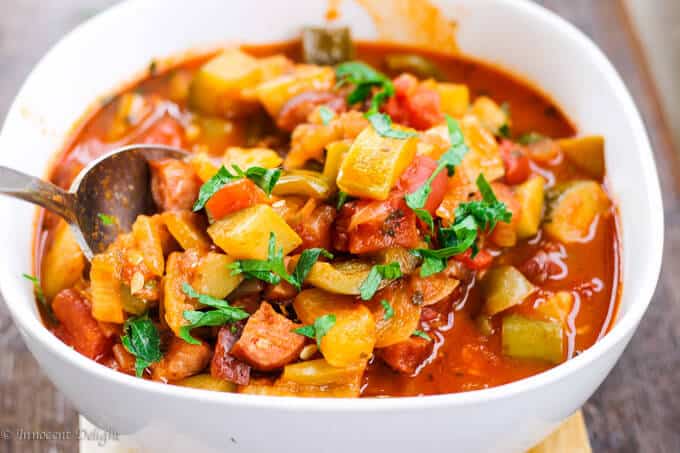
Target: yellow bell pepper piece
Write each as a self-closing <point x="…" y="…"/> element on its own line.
<point x="223" y="86"/>
<point x="454" y="98"/>
<point x="251" y="157"/>
<point x="303" y="182"/>
<point x="274" y="93"/>
<point x="335" y="153"/>
<point x="374" y="163"/>
<point x="245" y="234"/>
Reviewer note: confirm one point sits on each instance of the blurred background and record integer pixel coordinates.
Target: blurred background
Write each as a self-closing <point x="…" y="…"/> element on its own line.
<point x="637" y="409"/>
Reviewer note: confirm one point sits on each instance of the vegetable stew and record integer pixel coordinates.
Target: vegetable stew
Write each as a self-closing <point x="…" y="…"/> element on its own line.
<point x="354" y="219"/>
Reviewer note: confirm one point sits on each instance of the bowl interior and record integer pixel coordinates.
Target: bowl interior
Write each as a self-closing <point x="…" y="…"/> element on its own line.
<point x="94" y="60"/>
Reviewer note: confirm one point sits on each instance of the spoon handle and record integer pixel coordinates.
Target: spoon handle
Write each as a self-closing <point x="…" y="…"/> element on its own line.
<point x="34" y="190"/>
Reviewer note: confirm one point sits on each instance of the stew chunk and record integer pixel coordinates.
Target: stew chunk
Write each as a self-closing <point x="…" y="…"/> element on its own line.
<point x="181" y="361"/>
<point x="174" y="184"/>
<point x="268" y="341"/>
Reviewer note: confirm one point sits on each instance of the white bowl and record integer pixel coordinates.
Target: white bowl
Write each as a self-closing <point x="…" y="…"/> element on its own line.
<point x="97" y="56"/>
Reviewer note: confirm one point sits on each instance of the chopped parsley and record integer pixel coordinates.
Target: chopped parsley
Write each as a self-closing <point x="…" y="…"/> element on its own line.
<point x="389" y="311"/>
<point x="364" y="78"/>
<point x="326" y="115"/>
<point x="382" y="124"/>
<point x="421" y="334"/>
<point x="470" y="218"/>
<point x="375" y="277"/>
<point x="107" y="220"/>
<point x="265" y="178"/>
<point x="319" y="329"/>
<point x="342" y="199"/>
<point x="142" y="340"/>
<point x="223" y="314"/>
<point x="37" y="289"/>
<point x="449" y="160"/>
<point x="504" y="129"/>
<point x="273" y="269"/>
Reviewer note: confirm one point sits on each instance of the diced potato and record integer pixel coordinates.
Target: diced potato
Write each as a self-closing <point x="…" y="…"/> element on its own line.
<point x="245" y="158"/>
<point x="530" y="196"/>
<point x="405" y="320"/>
<point x="274" y="66"/>
<point x="213" y="276"/>
<point x="557" y="307"/>
<point x="572" y="210"/>
<point x="245" y="234"/>
<point x="407" y="260"/>
<point x="335" y="153"/>
<point x="525" y="338"/>
<point x="175" y="301"/>
<point x="148" y="233"/>
<point x="319" y="372"/>
<point x="207" y="382"/>
<point x="374" y="163"/>
<point x="187" y="228"/>
<point x="105" y="285"/>
<point x="504" y="287"/>
<point x="303" y="182"/>
<point x="454" y="98"/>
<point x="587" y="153"/>
<point x="504" y="234"/>
<point x="63" y="262"/>
<point x="132" y="109"/>
<point x="280" y="388"/>
<point x="204" y="166"/>
<point x="221" y="86"/>
<point x="352" y="337"/>
<point x="274" y="93"/>
<point x="484" y="155"/>
<point x="339" y="278"/>
<point x="490" y="114"/>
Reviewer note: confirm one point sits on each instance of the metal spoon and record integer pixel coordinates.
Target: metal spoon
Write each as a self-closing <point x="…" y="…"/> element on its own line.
<point x="117" y="184"/>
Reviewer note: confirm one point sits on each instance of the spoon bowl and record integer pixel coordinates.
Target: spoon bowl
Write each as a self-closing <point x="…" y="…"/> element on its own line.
<point x="104" y="199"/>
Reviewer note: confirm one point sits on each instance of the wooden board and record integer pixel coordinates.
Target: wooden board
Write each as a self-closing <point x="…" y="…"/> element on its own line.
<point x="637" y="409"/>
<point x="570" y="437"/>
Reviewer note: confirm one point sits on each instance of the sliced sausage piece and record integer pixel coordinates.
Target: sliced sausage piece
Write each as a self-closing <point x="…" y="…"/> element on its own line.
<point x="181" y="361"/>
<point x="268" y="341"/>
<point x="82" y="331"/>
<point x="405" y="357"/>
<point x="174" y="184"/>
<point x="124" y="360"/>
<point x="298" y="108"/>
<point x="224" y="365"/>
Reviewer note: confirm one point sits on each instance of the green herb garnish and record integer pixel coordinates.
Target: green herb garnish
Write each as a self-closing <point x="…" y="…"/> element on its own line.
<point x="421" y="334"/>
<point x="364" y="78"/>
<point x="142" y="340"/>
<point x="107" y="220"/>
<point x="382" y="124"/>
<point x="376" y="275"/>
<point x="265" y="178"/>
<point x="462" y="235"/>
<point x="223" y="314"/>
<point x="449" y="160"/>
<point x="389" y="311"/>
<point x="273" y="269"/>
<point x="326" y="115"/>
<point x="37" y="289"/>
<point x="342" y="199"/>
<point x="319" y="329"/>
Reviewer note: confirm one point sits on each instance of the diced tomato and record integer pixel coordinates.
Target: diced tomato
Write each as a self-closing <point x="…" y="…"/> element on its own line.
<point x="481" y="261"/>
<point x="415" y="176"/>
<point x="237" y="195"/>
<point x="516" y="162"/>
<point x="78" y="326"/>
<point x="166" y="131"/>
<point x="414" y="104"/>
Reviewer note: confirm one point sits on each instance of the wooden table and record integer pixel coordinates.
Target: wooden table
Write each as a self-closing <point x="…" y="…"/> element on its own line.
<point x="637" y="409"/>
